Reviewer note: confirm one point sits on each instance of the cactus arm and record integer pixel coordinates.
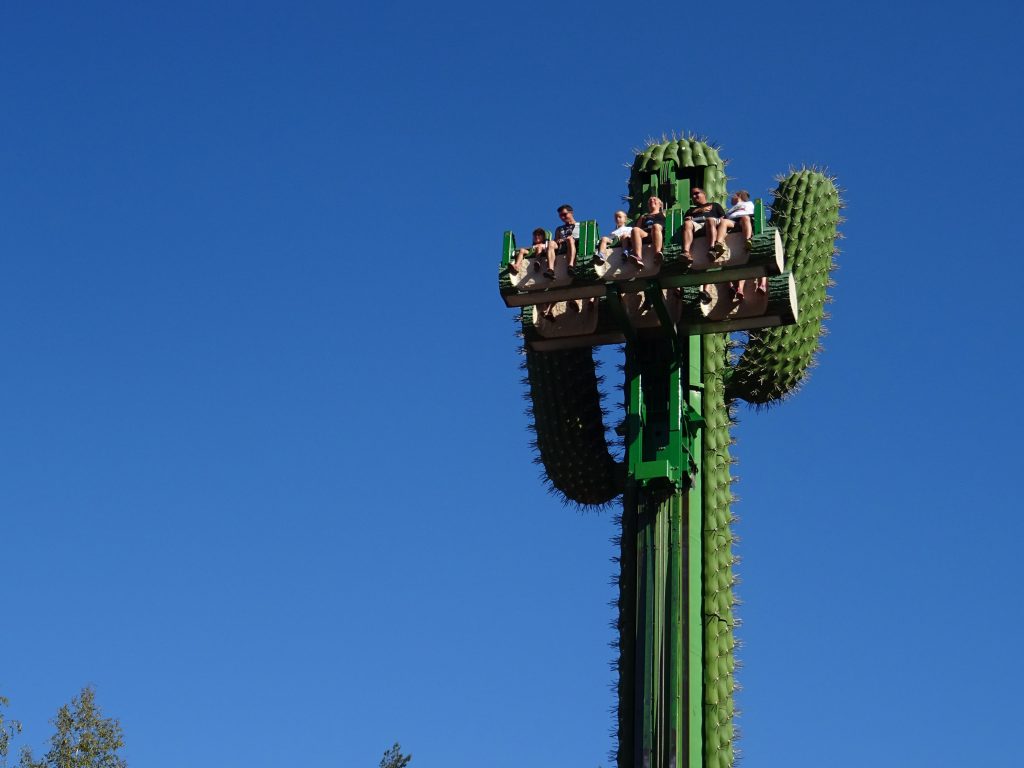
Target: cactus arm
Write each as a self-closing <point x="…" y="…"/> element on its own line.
<point x="569" y="424"/>
<point x="776" y="360"/>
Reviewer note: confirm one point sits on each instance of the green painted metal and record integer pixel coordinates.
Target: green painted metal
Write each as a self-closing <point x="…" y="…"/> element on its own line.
<point x="694" y="663"/>
<point x="758" y="218"/>
<point x="676" y="645"/>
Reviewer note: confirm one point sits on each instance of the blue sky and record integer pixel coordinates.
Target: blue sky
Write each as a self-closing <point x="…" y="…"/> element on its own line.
<point x="264" y="468"/>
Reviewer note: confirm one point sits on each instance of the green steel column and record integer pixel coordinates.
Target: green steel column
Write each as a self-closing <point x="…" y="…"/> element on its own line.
<point x="660" y="683"/>
<point x="694" y="572"/>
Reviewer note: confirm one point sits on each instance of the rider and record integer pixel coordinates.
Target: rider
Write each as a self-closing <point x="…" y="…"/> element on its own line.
<point x="564" y="241"/>
<point x="702" y="215"/>
<point x="649" y="226"/>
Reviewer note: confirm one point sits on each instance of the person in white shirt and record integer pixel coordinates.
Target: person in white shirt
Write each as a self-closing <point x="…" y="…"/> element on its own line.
<point x="620" y="233"/>
<point x="741" y="213"/>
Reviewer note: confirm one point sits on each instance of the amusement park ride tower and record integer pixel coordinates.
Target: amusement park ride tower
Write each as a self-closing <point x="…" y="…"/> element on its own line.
<point x="683" y="374"/>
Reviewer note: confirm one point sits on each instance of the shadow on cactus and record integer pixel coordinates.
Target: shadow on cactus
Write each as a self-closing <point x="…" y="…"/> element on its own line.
<point x="676" y="645"/>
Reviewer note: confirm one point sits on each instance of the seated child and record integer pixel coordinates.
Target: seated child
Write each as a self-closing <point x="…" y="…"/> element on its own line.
<point x="540" y="246"/>
<point x="620" y="233"/>
<point x="740" y="213"/>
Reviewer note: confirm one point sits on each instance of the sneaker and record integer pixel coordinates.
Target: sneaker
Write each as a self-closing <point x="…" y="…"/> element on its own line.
<point x="549" y="274"/>
<point x="705" y="297"/>
<point x="571" y="271"/>
<point x="512" y="269"/>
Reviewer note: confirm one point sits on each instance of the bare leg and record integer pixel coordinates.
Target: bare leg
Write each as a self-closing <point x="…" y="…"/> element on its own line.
<point x="638" y="235"/>
<point x="570" y="246"/>
<point x="721" y="232"/>
<point x="602" y="248"/>
<point x="723" y="228"/>
<point x="516" y="265"/>
<point x="551" y="259"/>
<point x="657" y="239"/>
<point x="687" y="238"/>
<point x="748" y="227"/>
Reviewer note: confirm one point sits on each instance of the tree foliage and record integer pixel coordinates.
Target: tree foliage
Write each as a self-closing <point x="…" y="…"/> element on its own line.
<point x="8" y="728"/>
<point x="83" y="739"/>
<point x="394" y="758"/>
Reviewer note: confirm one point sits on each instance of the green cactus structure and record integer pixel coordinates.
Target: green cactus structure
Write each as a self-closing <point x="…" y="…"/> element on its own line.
<point x="676" y="607"/>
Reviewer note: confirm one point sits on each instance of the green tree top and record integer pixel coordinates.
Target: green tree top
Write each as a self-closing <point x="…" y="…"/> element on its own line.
<point x="394" y="758"/>
<point x="84" y="738"/>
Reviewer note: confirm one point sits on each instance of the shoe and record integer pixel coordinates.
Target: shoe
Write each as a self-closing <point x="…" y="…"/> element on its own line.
<point x="750" y="244"/>
<point x="599" y="259"/>
<point x="512" y="269"/>
<point x="705" y="297"/>
<point x="549" y="274"/>
<point x="657" y="256"/>
<point x="571" y="271"/>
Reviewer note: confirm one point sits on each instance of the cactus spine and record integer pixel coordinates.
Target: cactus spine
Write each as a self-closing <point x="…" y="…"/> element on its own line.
<point x="676" y="644"/>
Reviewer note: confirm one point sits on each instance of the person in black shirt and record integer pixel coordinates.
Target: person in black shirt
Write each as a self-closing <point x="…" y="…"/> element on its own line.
<point x="564" y="241"/>
<point x="701" y="216"/>
<point x="650" y="226"/>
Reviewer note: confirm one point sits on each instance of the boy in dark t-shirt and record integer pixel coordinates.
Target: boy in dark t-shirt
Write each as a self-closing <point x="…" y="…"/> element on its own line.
<point x="650" y="226"/>
<point x="701" y="216"/>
